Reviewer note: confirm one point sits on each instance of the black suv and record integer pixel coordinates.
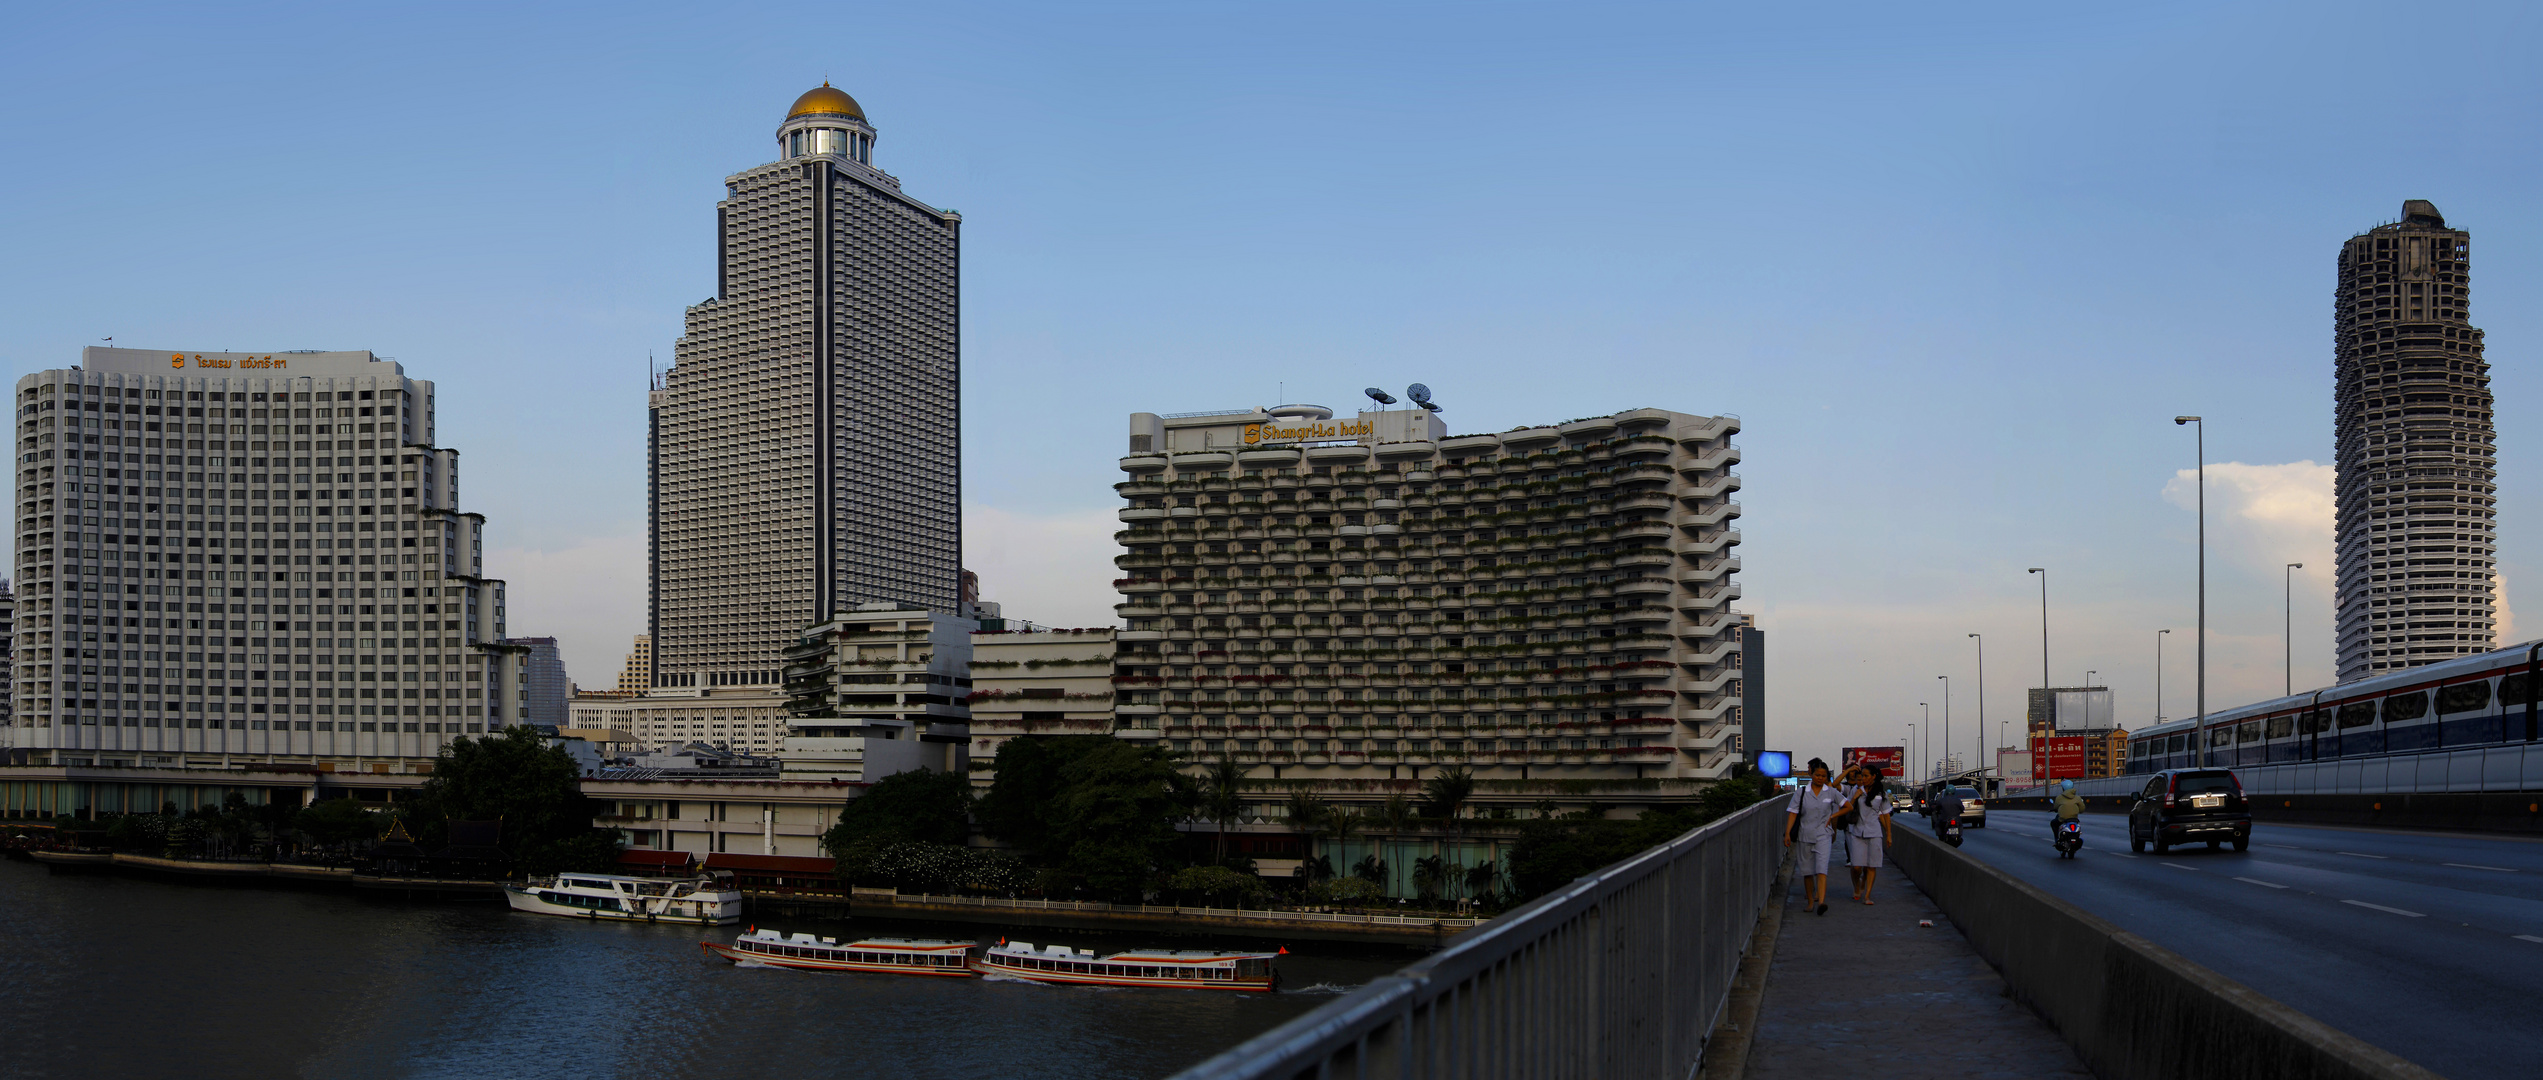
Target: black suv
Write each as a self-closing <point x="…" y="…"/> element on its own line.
<point x="2179" y="806"/>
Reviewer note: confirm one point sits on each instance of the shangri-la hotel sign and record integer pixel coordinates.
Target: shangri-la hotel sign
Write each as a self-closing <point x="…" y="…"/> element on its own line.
<point x="178" y="360"/>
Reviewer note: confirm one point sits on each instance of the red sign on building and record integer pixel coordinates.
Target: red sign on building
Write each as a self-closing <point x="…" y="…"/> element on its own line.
<point x="1891" y="760"/>
<point x="2066" y="757"/>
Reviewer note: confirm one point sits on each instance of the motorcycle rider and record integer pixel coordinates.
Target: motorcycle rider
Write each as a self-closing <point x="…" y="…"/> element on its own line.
<point x="1946" y="806"/>
<point x="2069" y="807"/>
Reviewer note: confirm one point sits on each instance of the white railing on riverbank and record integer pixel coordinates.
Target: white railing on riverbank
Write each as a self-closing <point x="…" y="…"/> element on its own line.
<point x="1097" y="906"/>
<point x="1621" y="975"/>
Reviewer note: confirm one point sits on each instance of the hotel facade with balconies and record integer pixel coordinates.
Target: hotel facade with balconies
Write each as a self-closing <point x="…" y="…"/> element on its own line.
<point x="1370" y="599"/>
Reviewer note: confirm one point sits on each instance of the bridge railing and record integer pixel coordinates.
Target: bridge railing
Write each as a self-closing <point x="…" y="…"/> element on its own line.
<point x="1622" y="974"/>
<point x="2492" y="767"/>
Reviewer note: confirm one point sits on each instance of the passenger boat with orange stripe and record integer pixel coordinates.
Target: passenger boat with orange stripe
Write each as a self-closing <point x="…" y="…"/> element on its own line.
<point x="885" y="956"/>
<point x="1177" y="969"/>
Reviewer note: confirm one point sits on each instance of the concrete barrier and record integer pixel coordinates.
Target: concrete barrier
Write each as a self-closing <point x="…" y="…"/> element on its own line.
<point x="2464" y="811"/>
<point x="2132" y="1009"/>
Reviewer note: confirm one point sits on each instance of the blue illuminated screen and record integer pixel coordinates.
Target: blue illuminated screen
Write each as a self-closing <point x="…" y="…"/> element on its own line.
<point x="1775" y="763"/>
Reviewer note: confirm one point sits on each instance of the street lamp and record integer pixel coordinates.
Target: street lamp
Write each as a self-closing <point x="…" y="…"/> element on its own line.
<point x="1912" y="755"/>
<point x="2048" y="701"/>
<point x="2158" y="675"/>
<point x="2088" y="676"/>
<point x="1929" y="727"/>
<point x="1982" y="690"/>
<point x="1946" y="716"/>
<point x="2198" y="730"/>
<point x="2287" y="578"/>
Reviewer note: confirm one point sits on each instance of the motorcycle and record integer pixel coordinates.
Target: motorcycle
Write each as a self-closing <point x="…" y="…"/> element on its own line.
<point x="1947" y="827"/>
<point x="2069" y="836"/>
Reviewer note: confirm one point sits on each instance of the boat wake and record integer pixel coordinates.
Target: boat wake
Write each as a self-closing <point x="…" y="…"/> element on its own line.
<point x="1322" y="988"/>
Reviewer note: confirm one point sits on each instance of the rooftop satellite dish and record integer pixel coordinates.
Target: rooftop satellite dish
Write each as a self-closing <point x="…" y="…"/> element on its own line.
<point x="1418" y="392"/>
<point x="1432" y="406"/>
<point x="1379" y="396"/>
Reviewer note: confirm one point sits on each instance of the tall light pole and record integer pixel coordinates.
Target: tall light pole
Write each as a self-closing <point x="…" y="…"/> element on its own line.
<point x="1946" y="716"/>
<point x="2158" y="675"/>
<point x="1982" y="690"/>
<point x="2198" y="729"/>
<point x="1912" y="755"/>
<point x="2048" y="701"/>
<point x="2088" y="676"/>
<point x="1929" y="727"/>
<point x="2288" y="578"/>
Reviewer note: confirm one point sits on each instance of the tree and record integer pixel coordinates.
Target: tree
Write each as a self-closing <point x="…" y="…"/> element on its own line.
<point x="1115" y="816"/>
<point x="532" y="787"/>
<point x="1552" y="850"/>
<point x="1446" y="793"/>
<point x="1430" y="872"/>
<point x="921" y="806"/>
<point x="1395" y="813"/>
<point x="338" y="821"/>
<point x="1018" y="808"/>
<point x="1222" y="798"/>
<point x="1231" y="888"/>
<point x="1306" y="811"/>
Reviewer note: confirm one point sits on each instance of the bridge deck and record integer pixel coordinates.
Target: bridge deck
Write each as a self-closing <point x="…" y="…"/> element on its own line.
<point x="1863" y="991"/>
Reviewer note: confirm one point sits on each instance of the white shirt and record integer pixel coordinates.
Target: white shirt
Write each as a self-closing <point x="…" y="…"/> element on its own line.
<point x="1867" y="824"/>
<point x="1814" y="808"/>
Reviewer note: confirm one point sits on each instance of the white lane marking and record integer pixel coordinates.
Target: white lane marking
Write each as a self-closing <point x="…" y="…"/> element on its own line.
<point x="2123" y="854"/>
<point x="2380" y="907"/>
<point x="2529" y="937"/>
<point x="2262" y="884"/>
<point x="2364" y="855"/>
<point x="2284" y="847"/>
<point x="2178" y="866"/>
<point x="2478" y="866"/>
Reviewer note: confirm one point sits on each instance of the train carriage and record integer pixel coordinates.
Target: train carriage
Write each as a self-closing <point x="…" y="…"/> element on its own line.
<point x="2474" y="701"/>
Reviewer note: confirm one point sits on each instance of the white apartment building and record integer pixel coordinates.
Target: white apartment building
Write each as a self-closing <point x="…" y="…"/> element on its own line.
<point x="236" y="558"/>
<point x="877" y="692"/>
<point x="744" y="720"/>
<point x="1040" y="681"/>
<point x="1371" y="598"/>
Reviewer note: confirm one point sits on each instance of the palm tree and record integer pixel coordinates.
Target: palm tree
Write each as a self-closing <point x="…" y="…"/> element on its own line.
<point x="1429" y="873"/>
<point x="1479" y="880"/>
<point x="1445" y="794"/>
<point x="1306" y="811"/>
<point x="1222" y="798"/>
<point x="1396" y="812"/>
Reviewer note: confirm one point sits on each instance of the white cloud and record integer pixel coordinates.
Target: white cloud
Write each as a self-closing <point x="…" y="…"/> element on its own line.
<point x="590" y="597"/>
<point x="2265" y="516"/>
<point x="1051" y="569"/>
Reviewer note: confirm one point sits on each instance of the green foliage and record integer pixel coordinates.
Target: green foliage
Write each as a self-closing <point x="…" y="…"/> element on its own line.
<point x="1345" y="890"/>
<point x="338" y="821"/>
<point x="920" y="806"/>
<point x="1115" y="816"/>
<point x="1552" y="851"/>
<point x="1018" y="806"/>
<point x="530" y="786"/>
<point x="1217" y="886"/>
<point x="1446" y="793"/>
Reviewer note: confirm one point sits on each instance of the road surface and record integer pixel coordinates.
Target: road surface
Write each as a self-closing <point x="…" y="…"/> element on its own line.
<point x="2428" y="945"/>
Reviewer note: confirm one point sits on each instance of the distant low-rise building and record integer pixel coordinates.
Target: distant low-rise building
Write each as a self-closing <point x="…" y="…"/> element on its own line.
<point x="876" y="692"/>
<point x="636" y="675"/>
<point x="750" y="720"/>
<point x="1041" y="681"/>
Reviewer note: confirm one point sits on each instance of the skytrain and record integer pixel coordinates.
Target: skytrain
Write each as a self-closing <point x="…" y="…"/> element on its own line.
<point x="2483" y="700"/>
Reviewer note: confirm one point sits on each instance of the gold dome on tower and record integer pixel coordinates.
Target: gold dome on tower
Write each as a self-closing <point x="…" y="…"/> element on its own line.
<point x="826" y="100"/>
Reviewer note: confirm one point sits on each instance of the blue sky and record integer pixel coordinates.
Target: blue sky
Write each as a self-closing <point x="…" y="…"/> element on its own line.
<point x="1955" y="268"/>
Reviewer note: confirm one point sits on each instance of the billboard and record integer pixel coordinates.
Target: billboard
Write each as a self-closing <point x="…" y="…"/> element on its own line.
<point x="1890" y="760"/>
<point x="2065" y="757"/>
<point x="2087" y="709"/>
<point x="2014" y="766"/>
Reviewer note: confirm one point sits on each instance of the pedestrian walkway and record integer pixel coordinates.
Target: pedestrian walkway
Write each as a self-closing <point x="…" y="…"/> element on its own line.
<point x="1865" y="991"/>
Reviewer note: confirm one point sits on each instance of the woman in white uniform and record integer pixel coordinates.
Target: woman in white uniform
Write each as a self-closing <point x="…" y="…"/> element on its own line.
<point x="1806" y="826"/>
<point x="1870" y="831"/>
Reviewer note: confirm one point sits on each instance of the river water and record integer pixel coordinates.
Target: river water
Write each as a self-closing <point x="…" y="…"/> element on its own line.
<point x="107" y="975"/>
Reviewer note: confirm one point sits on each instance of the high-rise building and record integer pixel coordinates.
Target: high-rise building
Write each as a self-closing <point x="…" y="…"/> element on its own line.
<point x="2417" y="467"/>
<point x="1354" y="599"/>
<point x="543" y="688"/>
<point x="806" y="445"/>
<point x="637" y="674"/>
<point x="231" y="558"/>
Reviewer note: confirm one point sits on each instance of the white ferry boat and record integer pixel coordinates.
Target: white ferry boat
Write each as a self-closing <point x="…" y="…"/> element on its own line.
<point x="1162" y="967"/>
<point x="708" y="902"/>
<point x="888" y="956"/>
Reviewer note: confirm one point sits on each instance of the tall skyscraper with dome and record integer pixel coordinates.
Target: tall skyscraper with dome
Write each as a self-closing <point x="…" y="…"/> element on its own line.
<point x="805" y="447"/>
<point x="2418" y="467"/>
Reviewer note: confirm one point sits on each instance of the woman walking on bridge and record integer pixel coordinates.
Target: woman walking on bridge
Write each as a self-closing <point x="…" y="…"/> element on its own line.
<point x="1806" y="824"/>
<point x="1869" y="832"/>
